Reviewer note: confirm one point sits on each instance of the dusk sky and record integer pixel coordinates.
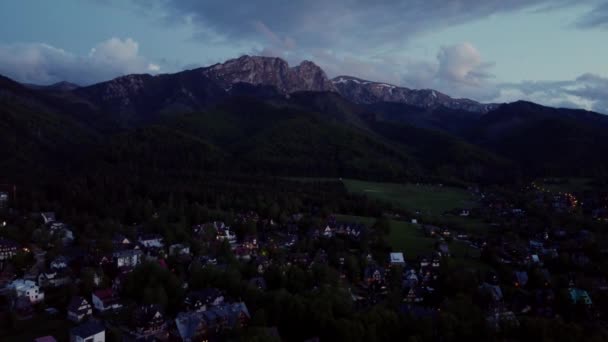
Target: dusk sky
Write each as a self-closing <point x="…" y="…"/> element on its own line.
<point x="551" y="52"/>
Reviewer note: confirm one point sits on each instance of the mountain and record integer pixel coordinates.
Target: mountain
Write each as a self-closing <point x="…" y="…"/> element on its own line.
<point x="257" y="115"/>
<point x="62" y="86"/>
<point x="368" y="92"/>
<point x="36" y="137"/>
<point x="271" y="71"/>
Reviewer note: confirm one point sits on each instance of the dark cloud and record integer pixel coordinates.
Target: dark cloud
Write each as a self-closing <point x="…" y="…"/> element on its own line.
<point x="339" y="24"/>
<point x="596" y="18"/>
<point x="45" y="64"/>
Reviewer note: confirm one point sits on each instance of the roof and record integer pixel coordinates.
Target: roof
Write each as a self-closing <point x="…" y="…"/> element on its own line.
<point x="397" y="258"/>
<point x="104" y="294"/>
<point x="87" y="329"/>
<point x="75" y="303"/>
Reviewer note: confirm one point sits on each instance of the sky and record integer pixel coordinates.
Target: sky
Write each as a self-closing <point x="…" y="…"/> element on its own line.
<point x="554" y="52"/>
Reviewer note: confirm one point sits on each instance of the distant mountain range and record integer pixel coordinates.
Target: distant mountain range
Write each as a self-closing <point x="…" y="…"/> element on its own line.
<point x="259" y="115"/>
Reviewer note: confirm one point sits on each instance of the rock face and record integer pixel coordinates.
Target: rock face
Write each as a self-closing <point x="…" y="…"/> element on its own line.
<point x="269" y="71"/>
<point x="368" y="92"/>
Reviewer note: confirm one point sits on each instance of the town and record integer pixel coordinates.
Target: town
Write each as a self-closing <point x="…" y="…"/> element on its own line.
<point x="505" y="264"/>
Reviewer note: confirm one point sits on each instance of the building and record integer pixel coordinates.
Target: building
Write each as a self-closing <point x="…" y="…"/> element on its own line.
<point x="3" y="199"/>
<point x="200" y="326"/>
<point x="54" y="278"/>
<point x="105" y="300"/>
<point x="204" y="299"/>
<point x="579" y="296"/>
<point x="48" y="217"/>
<point x="151" y="241"/>
<point x="127" y="257"/>
<point x="27" y="289"/>
<point x="79" y="309"/>
<point x="8" y="249"/>
<point x="397" y="259"/>
<point x="88" y="332"/>
<point x="149" y="321"/>
<point x="179" y="249"/>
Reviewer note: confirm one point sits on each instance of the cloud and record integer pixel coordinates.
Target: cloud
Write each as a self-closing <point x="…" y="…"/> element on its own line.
<point x="596" y="18"/>
<point x="459" y="70"/>
<point x="588" y="91"/>
<point x="341" y="25"/>
<point x="41" y="63"/>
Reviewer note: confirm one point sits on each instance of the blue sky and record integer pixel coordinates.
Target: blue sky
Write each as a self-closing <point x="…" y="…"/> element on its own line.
<point x="552" y="52"/>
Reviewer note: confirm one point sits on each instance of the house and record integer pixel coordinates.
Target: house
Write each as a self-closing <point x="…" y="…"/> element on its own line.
<point x="202" y="300"/>
<point x="151" y="241"/>
<point x="48" y="217"/>
<point x="120" y="241"/>
<point x="148" y="322"/>
<point x="397" y="259"/>
<point x="414" y="295"/>
<point x="105" y="300"/>
<point x="374" y="275"/>
<point x="8" y="249"/>
<point x="410" y="279"/>
<point x="27" y="289"/>
<point x="436" y="261"/>
<point x="54" y="278"/>
<point x="579" y="296"/>
<point x="59" y="263"/>
<point x="79" y="309"/>
<point x="431" y="230"/>
<point x="494" y="291"/>
<point x="225" y="234"/>
<point x="200" y="326"/>
<point x="88" y="332"/>
<point x="258" y="282"/>
<point x="179" y="249"/>
<point x="520" y="278"/>
<point x="127" y="257"/>
<point x="3" y="199"/>
<point x="443" y="249"/>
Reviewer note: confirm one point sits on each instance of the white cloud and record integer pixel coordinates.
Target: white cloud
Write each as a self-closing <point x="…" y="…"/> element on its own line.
<point x="588" y="91"/>
<point x="41" y="63"/>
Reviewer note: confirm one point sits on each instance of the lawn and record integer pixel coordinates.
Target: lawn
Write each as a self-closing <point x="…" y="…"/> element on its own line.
<point x="407" y="238"/>
<point x="429" y="200"/>
<point x="364" y="220"/>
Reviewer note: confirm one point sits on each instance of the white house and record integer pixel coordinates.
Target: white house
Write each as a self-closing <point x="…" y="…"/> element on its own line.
<point x="28" y="289"/>
<point x="151" y="241"/>
<point x="397" y="259"/>
<point x="127" y="257"/>
<point x="88" y="332"/>
<point x="179" y="249"/>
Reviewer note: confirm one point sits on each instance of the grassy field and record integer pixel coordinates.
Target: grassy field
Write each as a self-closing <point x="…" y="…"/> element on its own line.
<point x="407" y="238"/>
<point x="367" y="221"/>
<point x="429" y="200"/>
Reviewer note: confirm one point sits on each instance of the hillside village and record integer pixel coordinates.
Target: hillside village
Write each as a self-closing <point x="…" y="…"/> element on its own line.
<point x="226" y="278"/>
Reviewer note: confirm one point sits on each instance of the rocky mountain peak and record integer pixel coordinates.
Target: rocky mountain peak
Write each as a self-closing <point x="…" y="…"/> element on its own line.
<point x="272" y="71"/>
<point x="367" y="92"/>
